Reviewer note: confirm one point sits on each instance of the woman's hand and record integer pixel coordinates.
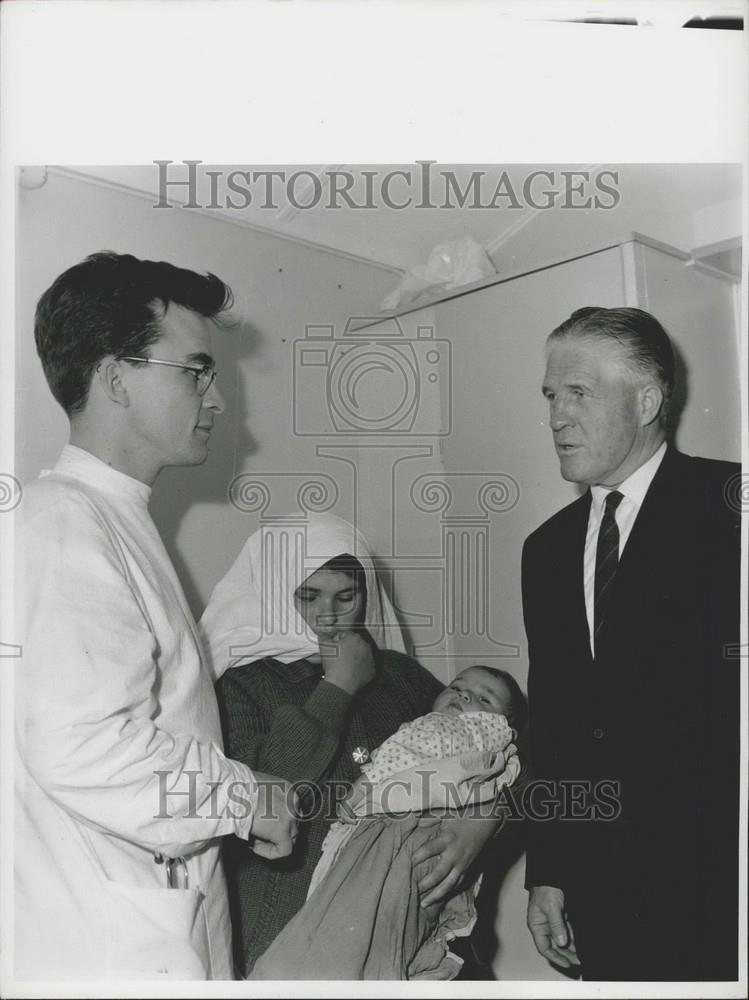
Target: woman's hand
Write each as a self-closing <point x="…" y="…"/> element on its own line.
<point x="348" y="660"/>
<point x="456" y="844"/>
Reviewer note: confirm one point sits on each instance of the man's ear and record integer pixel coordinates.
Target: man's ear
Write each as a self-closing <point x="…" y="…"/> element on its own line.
<point x="651" y="403"/>
<point x="109" y="374"/>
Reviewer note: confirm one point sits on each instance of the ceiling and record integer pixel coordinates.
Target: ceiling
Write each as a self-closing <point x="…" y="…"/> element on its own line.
<point x="394" y="215"/>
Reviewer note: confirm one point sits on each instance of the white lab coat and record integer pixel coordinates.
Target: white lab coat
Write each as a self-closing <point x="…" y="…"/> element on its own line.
<point x="114" y="710"/>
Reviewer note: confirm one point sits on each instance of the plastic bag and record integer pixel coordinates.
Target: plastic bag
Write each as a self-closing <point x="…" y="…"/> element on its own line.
<point x="451" y="264"/>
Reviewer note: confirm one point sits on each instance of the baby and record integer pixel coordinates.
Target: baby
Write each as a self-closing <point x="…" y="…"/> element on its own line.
<point x="483" y="689"/>
<point x="482" y="710"/>
<point x="362" y="918"/>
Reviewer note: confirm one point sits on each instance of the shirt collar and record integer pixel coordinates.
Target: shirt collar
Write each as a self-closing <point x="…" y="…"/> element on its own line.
<point x="77" y="463"/>
<point x="635" y="486"/>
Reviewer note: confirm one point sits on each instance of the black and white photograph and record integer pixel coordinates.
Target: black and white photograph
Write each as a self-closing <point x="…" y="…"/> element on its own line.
<point x="373" y="604"/>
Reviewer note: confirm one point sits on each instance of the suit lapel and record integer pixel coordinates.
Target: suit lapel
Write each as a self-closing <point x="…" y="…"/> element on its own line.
<point x="640" y="562"/>
<point x="657" y="510"/>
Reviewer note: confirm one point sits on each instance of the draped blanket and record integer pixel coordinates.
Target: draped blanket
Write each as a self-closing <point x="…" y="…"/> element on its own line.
<point x="362" y="918"/>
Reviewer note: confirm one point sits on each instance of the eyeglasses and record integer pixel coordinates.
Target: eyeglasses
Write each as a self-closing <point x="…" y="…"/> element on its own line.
<point x="203" y="374"/>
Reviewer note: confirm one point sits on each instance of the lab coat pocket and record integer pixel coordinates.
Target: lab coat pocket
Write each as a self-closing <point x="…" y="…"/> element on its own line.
<point x="156" y="933"/>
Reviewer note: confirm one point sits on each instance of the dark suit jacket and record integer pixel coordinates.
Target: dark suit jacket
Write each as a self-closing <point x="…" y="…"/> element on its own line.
<point x="656" y="712"/>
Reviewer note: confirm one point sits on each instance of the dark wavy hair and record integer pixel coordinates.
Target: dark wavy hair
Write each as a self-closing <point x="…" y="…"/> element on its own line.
<point x="112" y="303"/>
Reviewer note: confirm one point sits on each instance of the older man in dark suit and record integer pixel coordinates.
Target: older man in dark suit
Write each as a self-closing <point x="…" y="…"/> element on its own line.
<point x="631" y="599"/>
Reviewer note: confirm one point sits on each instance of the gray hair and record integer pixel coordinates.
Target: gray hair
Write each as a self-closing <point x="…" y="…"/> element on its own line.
<point x="644" y="345"/>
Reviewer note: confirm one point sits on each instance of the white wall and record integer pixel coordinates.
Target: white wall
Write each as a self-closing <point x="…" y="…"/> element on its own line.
<point x="279" y="287"/>
<point x="699" y="311"/>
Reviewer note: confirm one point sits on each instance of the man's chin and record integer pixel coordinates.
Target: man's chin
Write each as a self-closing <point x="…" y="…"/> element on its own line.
<point x="192" y="458"/>
<point x="570" y="472"/>
<point x="199" y="454"/>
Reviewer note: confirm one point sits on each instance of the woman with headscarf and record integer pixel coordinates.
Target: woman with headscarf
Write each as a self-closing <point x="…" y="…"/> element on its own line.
<point x="312" y="677"/>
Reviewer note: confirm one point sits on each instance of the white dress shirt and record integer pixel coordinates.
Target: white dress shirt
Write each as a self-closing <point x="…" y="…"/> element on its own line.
<point x="633" y="489"/>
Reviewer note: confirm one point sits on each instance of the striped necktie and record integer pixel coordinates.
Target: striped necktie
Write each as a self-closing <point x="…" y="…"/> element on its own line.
<point x="607" y="560"/>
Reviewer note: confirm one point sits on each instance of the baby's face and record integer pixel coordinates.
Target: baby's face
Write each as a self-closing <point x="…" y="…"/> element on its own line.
<point x="474" y="690"/>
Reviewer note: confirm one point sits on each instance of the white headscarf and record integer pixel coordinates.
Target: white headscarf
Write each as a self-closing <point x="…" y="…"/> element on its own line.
<point x="251" y="613"/>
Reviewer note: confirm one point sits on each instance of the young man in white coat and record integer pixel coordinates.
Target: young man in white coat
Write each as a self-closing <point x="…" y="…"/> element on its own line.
<point x="123" y="788"/>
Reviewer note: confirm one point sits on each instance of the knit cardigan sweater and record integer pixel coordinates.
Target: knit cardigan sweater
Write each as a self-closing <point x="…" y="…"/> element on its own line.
<point x="284" y="719"/>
